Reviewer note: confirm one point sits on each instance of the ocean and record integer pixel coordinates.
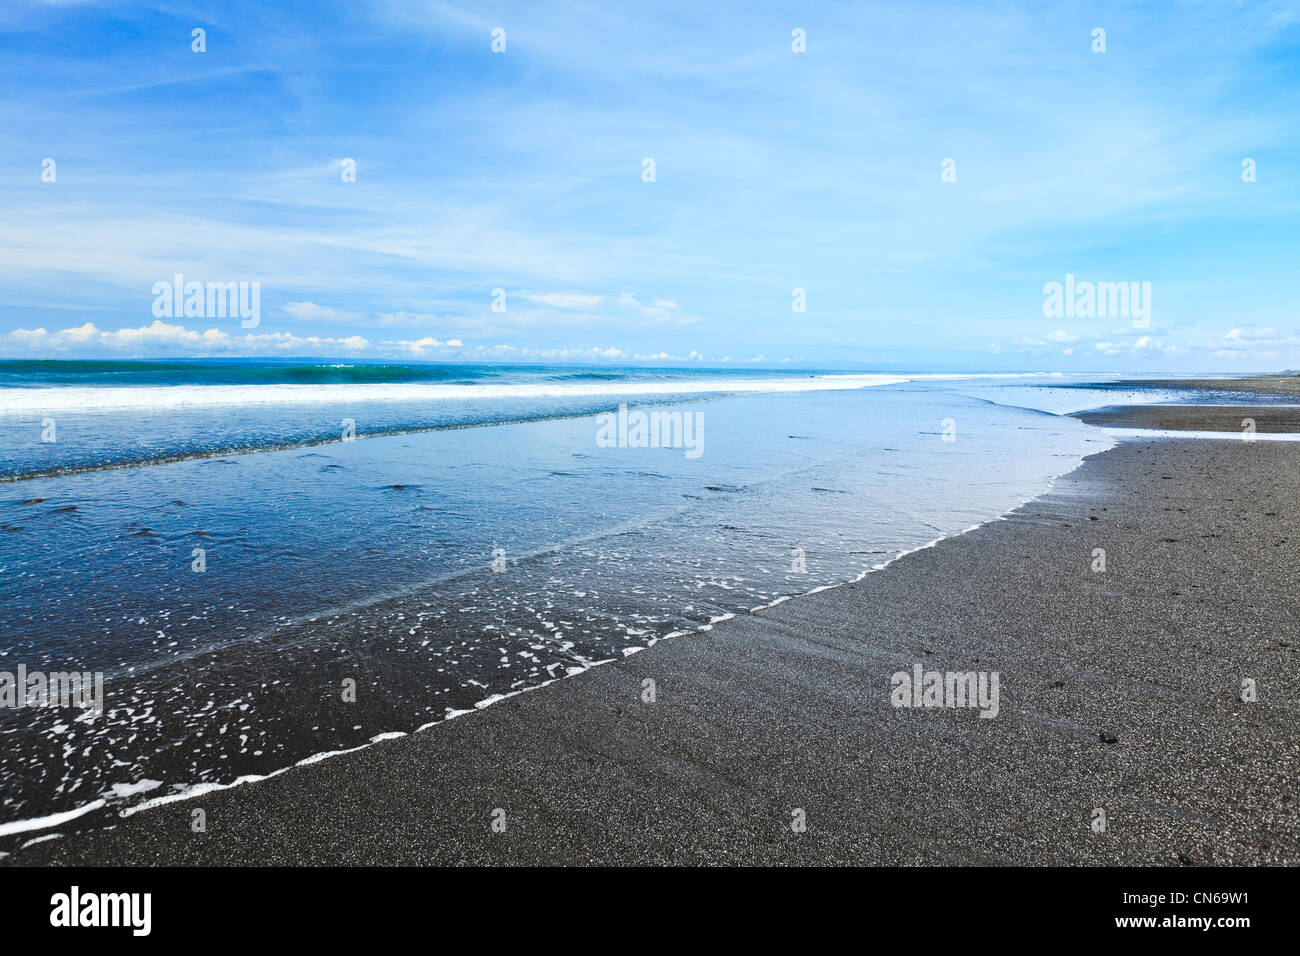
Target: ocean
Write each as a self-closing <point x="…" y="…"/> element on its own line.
<point x="272" y="561"/>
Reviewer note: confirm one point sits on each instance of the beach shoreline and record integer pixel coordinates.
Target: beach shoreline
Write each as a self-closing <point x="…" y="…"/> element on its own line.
<point x="787" y="711"/>
<point x="1227" y="419"/>
<point x="402" y="580"/>
<point x="1252" y="385"/>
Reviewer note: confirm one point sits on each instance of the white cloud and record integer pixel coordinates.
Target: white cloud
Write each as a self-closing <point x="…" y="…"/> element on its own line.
<point x="1142" y="345"/>
<point x="311" y="312"/>
<point x="1257" y="343"/>
<point x="563" y="300"/>
<point x="420" y="346"/>
<point x="1258" y="338"/>
<point x="160" y="337"/>
<point x="661" y="310"/>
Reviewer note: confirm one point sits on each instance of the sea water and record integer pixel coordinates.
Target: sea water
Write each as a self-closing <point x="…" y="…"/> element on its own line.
<point x="260" y="582"/>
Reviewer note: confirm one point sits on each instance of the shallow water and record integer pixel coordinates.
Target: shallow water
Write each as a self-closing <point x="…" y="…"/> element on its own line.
<point x="373" y="560"/>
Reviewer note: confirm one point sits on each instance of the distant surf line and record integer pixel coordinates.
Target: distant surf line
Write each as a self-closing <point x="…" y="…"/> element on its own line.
<point x="111" y="398"/>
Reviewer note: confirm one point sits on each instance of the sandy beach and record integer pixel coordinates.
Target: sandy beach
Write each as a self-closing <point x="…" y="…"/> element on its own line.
<point x="1285" y="383"/>
<point x="1121" y="692"/>
<point x="1208" y="418"/>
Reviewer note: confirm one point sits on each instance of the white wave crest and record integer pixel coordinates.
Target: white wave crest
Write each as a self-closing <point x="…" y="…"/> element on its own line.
<point x="181" y="396"/>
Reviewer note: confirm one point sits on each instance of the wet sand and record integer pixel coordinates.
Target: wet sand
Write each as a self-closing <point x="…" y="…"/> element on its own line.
<point x="1208" y="418"/>
<point x="1120" y="691"/>
<point x="1278" y="384"/>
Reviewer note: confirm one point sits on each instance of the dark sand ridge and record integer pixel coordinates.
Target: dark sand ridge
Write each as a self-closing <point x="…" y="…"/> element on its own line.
<point x="1209" y="418"/>
<point x="789" y="708"/>
<point x="1278" y="384"/>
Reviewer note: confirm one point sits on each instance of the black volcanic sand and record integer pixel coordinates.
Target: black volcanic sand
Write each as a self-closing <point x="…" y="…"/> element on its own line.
<point x="789" y="708"/>
<point x="1278" y="384"/>
<point x="1209" y="418"/>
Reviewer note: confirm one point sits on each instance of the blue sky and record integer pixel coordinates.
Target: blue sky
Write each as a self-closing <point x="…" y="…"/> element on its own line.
<point x="774" y="170"/>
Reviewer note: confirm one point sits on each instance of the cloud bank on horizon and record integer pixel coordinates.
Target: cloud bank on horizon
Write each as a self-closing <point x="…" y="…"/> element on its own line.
<point x="895" y="185"/>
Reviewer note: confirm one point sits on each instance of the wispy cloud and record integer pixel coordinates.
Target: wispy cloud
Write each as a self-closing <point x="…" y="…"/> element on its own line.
<point x="775" y="170"/>
<point x="162" y="337"/>
<point x="311" y="312"/>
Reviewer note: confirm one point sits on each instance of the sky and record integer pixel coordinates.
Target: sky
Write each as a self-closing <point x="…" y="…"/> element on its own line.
<point x="921" y="171"/>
